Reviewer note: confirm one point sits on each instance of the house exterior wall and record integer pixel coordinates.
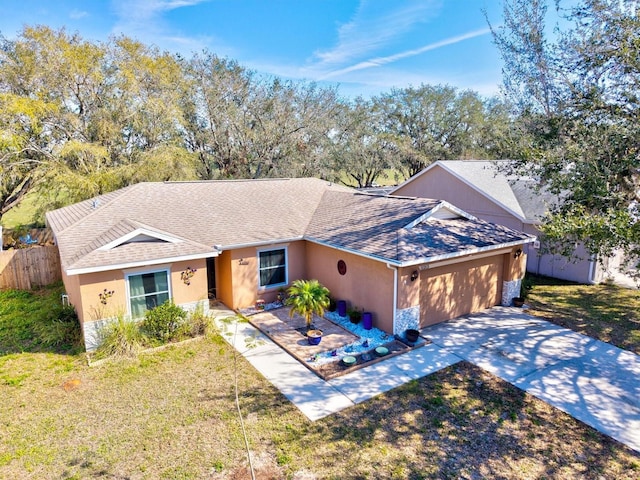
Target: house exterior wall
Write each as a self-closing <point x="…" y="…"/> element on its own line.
<point x="84" y="294"/>
<point x="72" y="289"/>
<point x="557" y="266"/>
<point x="238" y="274"/>
<point x="440" y="184"/>
<point x="367" y="284"/>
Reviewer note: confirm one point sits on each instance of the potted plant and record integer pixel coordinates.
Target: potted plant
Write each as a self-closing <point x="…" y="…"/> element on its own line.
<point x="355" y="315"/>
<point x="412" y="335"/>
<point x="525" y="286"/>
<point x="314" y="336"/>
<point x="282" y="295"/>
<point x="333" y="305"/>
<point x="307" y="297"/>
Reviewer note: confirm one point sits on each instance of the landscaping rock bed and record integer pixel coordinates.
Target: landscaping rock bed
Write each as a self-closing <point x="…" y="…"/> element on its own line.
<point x="342" y="339"/>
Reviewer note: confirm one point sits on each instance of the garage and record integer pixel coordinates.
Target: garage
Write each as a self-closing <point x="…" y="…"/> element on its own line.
<point x="450" y="291"/>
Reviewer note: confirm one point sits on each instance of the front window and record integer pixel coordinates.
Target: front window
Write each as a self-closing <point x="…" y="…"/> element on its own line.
<point x="273" y="267"/>
<point x="147" y="291"/>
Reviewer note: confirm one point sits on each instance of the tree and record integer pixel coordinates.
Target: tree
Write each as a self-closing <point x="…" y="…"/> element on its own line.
<point x="578" y="101"/>
<point x="23" y="146"/>
<point x="358" y="144"/>
<point x="432" y="123"/>
<point x="79" y="119"/>
<point x="242" y="125"/>
<point x="307" y="297"/>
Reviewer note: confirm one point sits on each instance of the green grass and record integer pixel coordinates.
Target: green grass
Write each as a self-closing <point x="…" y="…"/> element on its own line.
<point x="604" y="312"/>
<point x="35" y="321"/>
<point x="23" y="214"/>
<point x="171" y="414"/>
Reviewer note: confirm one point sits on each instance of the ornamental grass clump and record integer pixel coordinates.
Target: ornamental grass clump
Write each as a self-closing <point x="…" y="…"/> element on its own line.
<point x="197" y="323"/>
<point x="120" y="338"/>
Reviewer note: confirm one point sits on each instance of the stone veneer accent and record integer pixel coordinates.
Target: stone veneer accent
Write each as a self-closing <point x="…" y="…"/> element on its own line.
<point x="509" y="291"/>
<point x="92" y="329"/>
<point x="407" y="318"/>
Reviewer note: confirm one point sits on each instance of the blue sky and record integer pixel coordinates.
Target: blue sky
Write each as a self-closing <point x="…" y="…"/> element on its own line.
<point x="365" y="46"/>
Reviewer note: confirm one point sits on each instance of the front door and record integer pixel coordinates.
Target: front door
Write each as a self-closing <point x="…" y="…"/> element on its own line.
<point x="211" y="278"/>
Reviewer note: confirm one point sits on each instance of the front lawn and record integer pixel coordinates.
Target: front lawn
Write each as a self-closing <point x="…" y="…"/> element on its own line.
<point x="604" y="312"/>
<point x="171" y="415"/>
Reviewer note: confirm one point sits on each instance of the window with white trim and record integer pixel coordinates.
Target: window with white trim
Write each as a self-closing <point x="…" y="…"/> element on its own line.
<point x="272" y="267"/>
<point x="147" y="291"/>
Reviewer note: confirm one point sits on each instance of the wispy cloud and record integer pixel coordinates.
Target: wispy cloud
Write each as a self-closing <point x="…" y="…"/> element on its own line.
<point x="76" y="14"/>
<point x="373" y="26"/>
<point x="380" y="61"/>
<point x="146" y="20"/>
<point x="134" y="11"/>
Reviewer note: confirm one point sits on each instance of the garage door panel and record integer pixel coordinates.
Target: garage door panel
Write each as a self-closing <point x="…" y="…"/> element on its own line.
<point x="451" y="291"/>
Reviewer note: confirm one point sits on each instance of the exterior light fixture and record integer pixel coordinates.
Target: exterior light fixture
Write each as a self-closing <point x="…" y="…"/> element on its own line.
<point x="517" y="253"/>
<point x="414" y="275"/>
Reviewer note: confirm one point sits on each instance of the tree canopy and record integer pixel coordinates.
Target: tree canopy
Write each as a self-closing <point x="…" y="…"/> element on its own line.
<point x="81" y="118"/>
<point x="577" y="99"/>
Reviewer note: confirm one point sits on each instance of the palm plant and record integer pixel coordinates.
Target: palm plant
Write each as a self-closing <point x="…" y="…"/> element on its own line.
<point x="307" y="297"/>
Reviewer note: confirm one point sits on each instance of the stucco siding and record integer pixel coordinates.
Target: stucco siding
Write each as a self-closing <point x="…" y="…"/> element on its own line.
<point x="92" y="285"/>
<point x="239" y="274"/>
<point x="442" y="185"/>
<point x="104" y="294"/>
<point x="367" y="284"/>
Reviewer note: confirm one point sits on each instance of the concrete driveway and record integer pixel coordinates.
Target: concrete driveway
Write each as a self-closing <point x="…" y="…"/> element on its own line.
<point x="592" y="381"/>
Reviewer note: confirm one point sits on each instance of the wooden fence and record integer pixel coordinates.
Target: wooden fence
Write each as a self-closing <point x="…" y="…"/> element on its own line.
<point x="25" y="268"/>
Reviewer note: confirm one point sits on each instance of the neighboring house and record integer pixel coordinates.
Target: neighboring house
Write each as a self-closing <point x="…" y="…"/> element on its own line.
<point x="480" y="188"/>
<point x="412" y="262"/>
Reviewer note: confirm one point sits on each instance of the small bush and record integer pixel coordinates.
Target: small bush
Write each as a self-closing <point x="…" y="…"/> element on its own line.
<point x="60" y="330"/>
<point x="164" y="323"/>
<point x="120" y="338"/>
<point x="197" y="323"/>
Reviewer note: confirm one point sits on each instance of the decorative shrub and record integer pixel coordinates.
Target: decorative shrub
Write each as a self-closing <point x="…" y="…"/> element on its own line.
<point x="163" y="322"/>
<point x="60" y="330"/>
<point x="307" y="297"/>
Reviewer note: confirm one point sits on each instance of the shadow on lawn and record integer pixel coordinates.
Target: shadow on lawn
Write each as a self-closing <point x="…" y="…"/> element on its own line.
<point x="36" y="321"/>
<point x="460" y="421"/>
<point x="606" y="312"/>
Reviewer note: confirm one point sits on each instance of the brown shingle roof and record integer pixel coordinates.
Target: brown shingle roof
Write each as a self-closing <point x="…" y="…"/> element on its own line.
<point x="381" y="226"/>
<point x="224" y="213"/>
<point x="197" y="218"/>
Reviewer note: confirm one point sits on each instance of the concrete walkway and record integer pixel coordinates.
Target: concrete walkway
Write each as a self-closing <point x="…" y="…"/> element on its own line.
<point x="592" y="381"/>
<point x="317" y="398"/>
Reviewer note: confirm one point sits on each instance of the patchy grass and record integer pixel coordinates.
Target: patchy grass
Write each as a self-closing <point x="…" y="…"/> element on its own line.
<point x="606" y="312"/>
<point x="35" y="321"/>
<point x="170" y="414"/>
